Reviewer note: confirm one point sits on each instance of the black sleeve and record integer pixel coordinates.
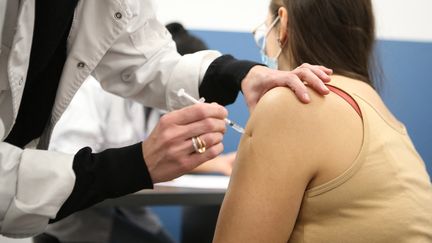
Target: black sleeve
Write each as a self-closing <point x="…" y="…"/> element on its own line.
<point x="222" y="80"/>
<point x="111" y="173"/>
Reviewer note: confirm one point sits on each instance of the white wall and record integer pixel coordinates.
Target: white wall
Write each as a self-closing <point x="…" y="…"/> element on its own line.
<point x="226" y="15"/>
<point x="404" y="19"/>
<point x="396" y="19"/>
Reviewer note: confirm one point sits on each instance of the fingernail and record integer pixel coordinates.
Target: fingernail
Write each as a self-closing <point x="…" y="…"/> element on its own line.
<point x="324" y="87"/>
<point x="306" y="97"/>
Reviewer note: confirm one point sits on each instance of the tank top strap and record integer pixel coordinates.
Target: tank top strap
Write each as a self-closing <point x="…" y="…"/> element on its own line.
<point x="347" y="97"/>
<point x="358" y="161"/>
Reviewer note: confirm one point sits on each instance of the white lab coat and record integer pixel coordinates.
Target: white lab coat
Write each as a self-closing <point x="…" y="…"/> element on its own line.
<point x="101" y="120"/>
<point x="121" y="43"/>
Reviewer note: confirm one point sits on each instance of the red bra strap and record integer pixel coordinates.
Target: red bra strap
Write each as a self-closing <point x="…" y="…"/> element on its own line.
<point x="346" y="97"/>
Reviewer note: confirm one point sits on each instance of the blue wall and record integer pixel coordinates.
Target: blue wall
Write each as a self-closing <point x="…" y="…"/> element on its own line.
<point x="406" y="89"/>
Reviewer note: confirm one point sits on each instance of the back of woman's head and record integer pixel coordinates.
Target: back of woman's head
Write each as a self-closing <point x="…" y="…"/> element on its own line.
<point x="186" y="42"/>
<point x="339" y="34"/>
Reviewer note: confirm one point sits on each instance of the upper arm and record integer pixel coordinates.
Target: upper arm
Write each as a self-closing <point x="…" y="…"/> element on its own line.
<point x="277" y="157"/>
<point x="151" y="71"/>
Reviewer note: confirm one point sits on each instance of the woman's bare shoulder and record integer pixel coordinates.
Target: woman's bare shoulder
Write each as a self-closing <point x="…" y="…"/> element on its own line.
<point x="281" y="106"/>
<point x="313" y="130"/>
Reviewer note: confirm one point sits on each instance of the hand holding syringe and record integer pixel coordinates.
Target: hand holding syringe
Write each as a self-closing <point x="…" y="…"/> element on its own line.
<point x="235" y="126"/>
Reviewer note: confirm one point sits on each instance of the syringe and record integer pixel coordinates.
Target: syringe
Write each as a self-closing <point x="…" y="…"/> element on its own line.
<point x="235" y="126"/>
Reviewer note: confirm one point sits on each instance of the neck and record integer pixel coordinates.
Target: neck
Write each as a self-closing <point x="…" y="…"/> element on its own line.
<point x="284" y="65"/>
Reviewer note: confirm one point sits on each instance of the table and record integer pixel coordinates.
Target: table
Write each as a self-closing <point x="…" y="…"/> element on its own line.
<point x="187" y="190"/>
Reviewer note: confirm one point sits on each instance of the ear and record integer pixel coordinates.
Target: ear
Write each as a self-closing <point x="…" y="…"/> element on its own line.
<point x="283" y="28"/>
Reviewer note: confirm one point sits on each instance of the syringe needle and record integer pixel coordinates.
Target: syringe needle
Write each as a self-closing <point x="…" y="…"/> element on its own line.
<point x="235" y="126"/>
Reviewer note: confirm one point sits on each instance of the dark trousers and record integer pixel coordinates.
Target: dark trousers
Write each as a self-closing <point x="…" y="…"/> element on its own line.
<point x="199" y="223"/>
<point x="123" y="231"/>
<point x="45" y="238"/>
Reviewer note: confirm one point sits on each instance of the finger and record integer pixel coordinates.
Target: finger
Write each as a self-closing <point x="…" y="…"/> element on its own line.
<point x="321" y="71"/>
<point x="210" y="153"/>
<point x="197" y="112"/>
<point x="295" y="84"/>
<point x="328" y="71"/>
<point x="186" y="147"/>
<point x="208" y="125"/>
<point x="209" y="139"/>
<point x="310" y="78"/>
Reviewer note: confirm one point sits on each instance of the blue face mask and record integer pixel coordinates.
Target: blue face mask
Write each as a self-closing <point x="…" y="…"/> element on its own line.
<point x="260" y="36"/>
<point x="271" y="62"/>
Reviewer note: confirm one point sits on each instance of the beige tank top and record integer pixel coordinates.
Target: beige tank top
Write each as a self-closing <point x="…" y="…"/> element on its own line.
<point x="385" y="196"/>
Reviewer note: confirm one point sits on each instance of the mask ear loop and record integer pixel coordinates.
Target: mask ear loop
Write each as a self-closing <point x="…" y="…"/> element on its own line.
<point x="272" y="25"/>
<point x="279" y="52"/>
<point x="281" y="46"/>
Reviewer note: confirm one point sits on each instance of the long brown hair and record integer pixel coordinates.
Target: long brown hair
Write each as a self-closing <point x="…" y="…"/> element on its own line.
<point x="339" y="34"/>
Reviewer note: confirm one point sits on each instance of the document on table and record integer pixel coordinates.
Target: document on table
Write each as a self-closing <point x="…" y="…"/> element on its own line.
<point x="199" y="181"/>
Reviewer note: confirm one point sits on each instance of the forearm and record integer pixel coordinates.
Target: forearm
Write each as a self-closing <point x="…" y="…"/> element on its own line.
<point x="35" y="183"/>
<point x="108" y="174"/>
<point x="208" y="167"/>
<point x="222" y="80"/>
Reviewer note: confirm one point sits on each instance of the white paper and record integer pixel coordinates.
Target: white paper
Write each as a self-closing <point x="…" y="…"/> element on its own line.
<point x="199" y="181"/>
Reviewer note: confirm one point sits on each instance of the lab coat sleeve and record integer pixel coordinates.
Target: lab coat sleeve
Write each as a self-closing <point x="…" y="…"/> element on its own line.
<point x="33" y="186"/>
<point x="143" y="63"/>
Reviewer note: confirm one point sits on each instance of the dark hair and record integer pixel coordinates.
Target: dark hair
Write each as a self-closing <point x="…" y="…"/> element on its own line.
<point x="185" y="42"/>
<point x="339" y="34"/>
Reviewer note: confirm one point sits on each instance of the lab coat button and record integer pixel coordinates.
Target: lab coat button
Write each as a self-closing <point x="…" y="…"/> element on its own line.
<point x="118" y="15"/>
<point x="81" y="65"/>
